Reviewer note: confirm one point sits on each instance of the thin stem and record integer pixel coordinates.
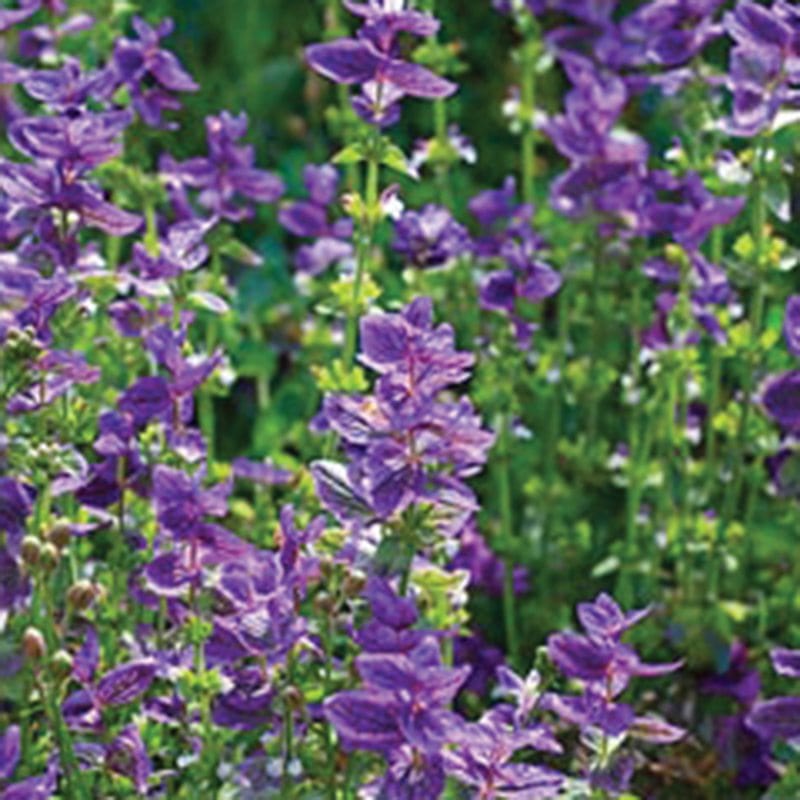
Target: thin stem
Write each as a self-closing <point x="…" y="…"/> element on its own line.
<point x="363" y="248"/>
<point x="758" y="221"/>
<point x="594" y="351"/>
<point x="527" y="109"/>
<point x="502" y="469"/>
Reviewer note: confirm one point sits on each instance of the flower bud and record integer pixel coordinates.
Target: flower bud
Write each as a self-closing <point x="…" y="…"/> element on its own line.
<point x="326" y="568"/>
<point x="293" y="698"/>
<point x="50" y="556"/>
<point x="61" y="665"/>
<point x="30" y="550"/>
<point x="353" y="584"/>
<point x="82" y="594"/>
<point x="33" y="644"/>
<point x="324" y="603"/>
<point x="60" y="534"/>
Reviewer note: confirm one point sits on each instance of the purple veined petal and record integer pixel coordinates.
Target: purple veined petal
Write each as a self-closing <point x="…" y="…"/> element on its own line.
<point x="85" y="661"/>
<point x="321" y="182"/>
<point x="389" y="671"/>
<point x="39" y="787"/>
<point x="257" y="184"/>
<point x="579" y="657"/>
<point x="149" y="397"/>
<point x="541" y="283"/>
<point x="98" y="213"/>
<point x="364" y="720"/>
<point x="777" y="719"/>
<point x="263" y="472"/>
<point x="388" y="607"/>
<point x="656" y="730"/>
<point x="9" y="751"/>
<point x="169" y="72"/>
<point x="791" y="325"/>
<point x="384" y="340"/>
<point x="413" y="774"/>
<point x="304" y="218"/>
<point x="125" y="683"/>
<point x="781" y="399"/>
<point x="415" y="80"/>
<point x="343" y="60"/>
<point x="528" y="782"/>
<point x="498" y="290"/>
<point x="10" y="17"/>
<point x="126" y="755"/>
<point x="337" y="493"/>
<point x="752" y="23"/>
<point x="786" y="662"/>
<point x="167" y="575"/>
<point x="315" y="258"/>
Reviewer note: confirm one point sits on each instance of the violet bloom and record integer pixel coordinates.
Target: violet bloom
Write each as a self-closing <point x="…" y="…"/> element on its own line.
<point x="16" y="503"/>
<point x="310" y="219"/>
<point x="373" y="60"/>
<point x="405" y="444"/>
<point x="64" y="149"/>
<point x="9" y="17"/>
<point x="401" y="712"/>
<point x="683" y="208"/>
<point x="227" y="176"/>
<point x="150" y="73"/>
<point x="482" y="758"/>
<point x="743" y="751"/>
<point x="779" y="718"/>
<point x="486" y="569"/>
<point x="508" y="235"/>
<point x="430" y="237"/>
<point x="38" y="787"/>
<point x="710" y="288"/>
<point x="670" y="32"/>
<point x="764" y="72"/>
<point x="607" y="165"/>
<point x="604" y="665"/>
<point x="41" y="42"/>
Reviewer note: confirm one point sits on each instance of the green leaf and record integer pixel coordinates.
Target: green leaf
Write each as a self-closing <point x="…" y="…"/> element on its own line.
<point x="352" y="154"/>
<point x="776" y="194"/>
<point x="394" y="158"/>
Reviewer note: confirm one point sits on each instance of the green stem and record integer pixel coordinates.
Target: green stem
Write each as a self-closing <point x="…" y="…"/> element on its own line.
<point x="758" y="221"/>
<point x="528" y="144"/>
<point x="363" y="248"/>
<point x="72" y="776"/>
<point x="594" y="345"/>
<point x="506" y="535"/>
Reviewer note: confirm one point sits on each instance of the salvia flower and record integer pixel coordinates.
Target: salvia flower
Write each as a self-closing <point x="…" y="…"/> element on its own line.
<point x="373" y="61"/>
<point x="430" y="237"/>
<point x="406" y="445"/>
<point x="227" y="177"/>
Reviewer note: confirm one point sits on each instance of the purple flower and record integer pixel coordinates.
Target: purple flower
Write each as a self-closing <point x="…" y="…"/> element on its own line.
<point x="482" y="758"/>
<point x="125" y="683"/>
<point x="401" y="713"/>
<point x="604" y="666"/>
<point x="406" y="445"/>
<point x="10" y="17"/>
<point x="486" y="569"/>
<point x="430" y="237"/>
<point x="373" y="61"/>
<point x="780" y="396"/>
<point x="227" y="175"/>
<point x="763" y="63"/>
<point x="309" y="219"/>
<point x="126" y="755"/>
<point x="151" y="73"/>
<point x="779" y="718"/>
